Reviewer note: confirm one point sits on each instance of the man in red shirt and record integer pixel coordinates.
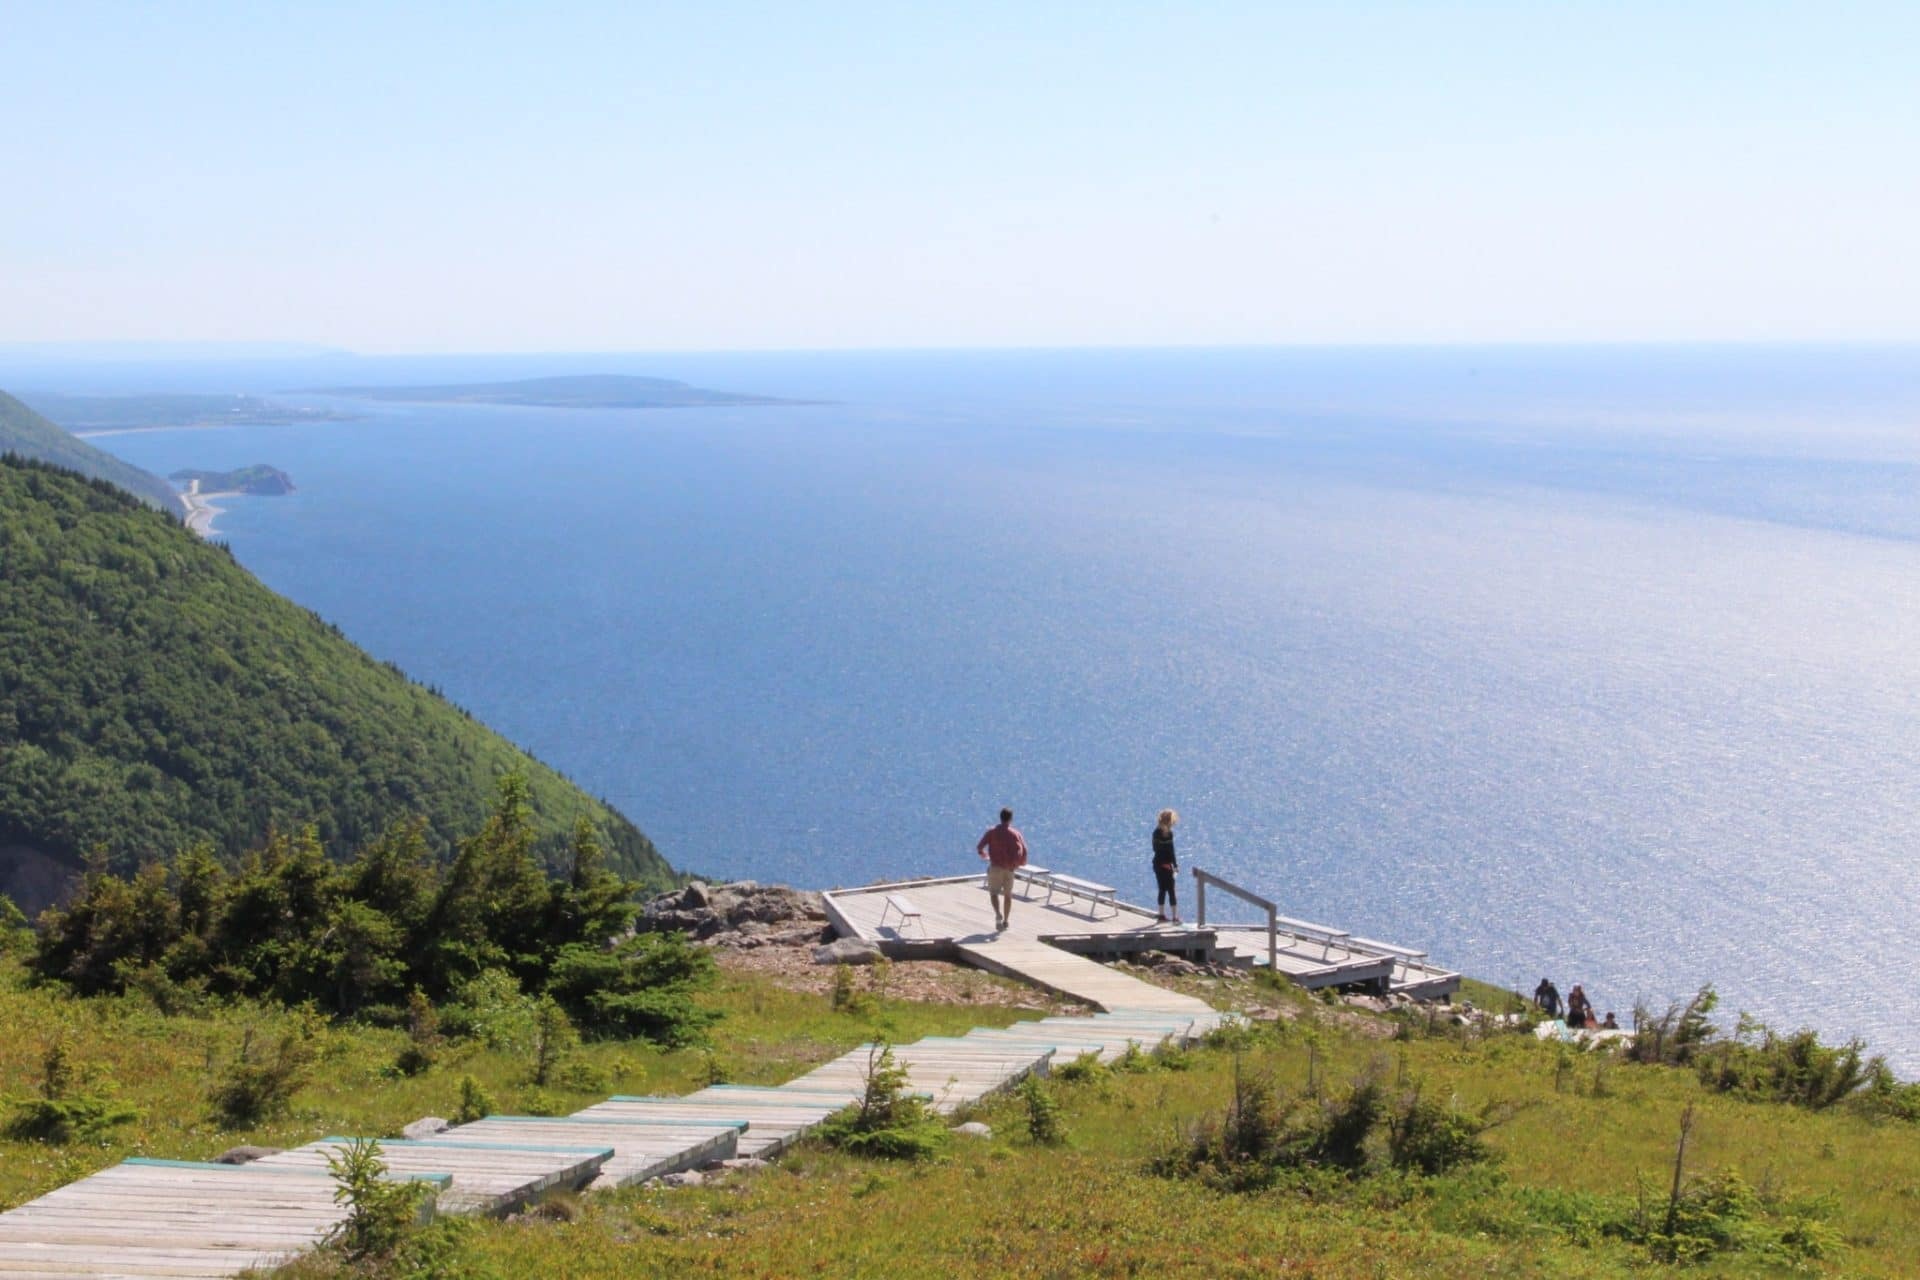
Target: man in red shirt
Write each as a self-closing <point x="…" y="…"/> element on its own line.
<point x="1004" y="849"/>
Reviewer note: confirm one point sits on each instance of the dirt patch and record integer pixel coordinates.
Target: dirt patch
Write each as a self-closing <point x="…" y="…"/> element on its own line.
<point x="925" y="981"/>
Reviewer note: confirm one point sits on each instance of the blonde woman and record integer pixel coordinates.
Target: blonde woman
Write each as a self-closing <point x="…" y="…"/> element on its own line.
<point x="1166" y="865"/>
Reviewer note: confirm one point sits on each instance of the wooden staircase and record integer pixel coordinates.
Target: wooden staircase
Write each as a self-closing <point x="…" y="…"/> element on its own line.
<point x="152" y="1218"/>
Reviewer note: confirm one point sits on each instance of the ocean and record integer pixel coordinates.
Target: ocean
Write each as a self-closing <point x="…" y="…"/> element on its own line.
<point x="1594" y="663"/>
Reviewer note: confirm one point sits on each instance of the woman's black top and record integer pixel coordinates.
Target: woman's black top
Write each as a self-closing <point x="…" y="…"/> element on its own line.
<point x="1163" y="847"/>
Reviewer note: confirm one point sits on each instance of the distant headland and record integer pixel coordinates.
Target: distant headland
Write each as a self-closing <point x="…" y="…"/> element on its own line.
<point x="112" y="415"/>
<point x="259" y="480"/>
<point x="590" y="391"/>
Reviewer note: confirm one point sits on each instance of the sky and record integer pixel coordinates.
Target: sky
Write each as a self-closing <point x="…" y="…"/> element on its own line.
<point x="397" y="177"/>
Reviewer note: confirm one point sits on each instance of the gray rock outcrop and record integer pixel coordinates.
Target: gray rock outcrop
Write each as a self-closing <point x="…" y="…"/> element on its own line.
<point x="847" y="951"/>
<point x="741" y="914"/>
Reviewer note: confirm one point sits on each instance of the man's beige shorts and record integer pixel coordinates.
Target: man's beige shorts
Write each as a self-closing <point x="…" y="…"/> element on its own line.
<point x="1000" y="880"/>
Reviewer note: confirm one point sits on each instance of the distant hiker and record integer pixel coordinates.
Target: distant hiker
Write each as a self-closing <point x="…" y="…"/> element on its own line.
<point x="1547" y="996"/>
<point x="1579" y="1009"/>
<point x="1166" y="865"/>
<point x="1610" y="1024"/>
<point x="1005" y="851"/>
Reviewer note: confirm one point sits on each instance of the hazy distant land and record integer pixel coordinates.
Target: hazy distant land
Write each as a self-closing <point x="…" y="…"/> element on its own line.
<point x="592" y="391"/>
<point x="259" y="480"/>
<point x="101" y="415"/>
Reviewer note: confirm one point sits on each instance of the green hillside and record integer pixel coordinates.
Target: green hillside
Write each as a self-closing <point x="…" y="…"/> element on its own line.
<point x="153" y="693"/>
<point x="26" y="433"/>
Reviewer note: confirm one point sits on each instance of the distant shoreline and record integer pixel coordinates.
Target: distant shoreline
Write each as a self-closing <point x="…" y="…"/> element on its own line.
<point x="200" y="509"/>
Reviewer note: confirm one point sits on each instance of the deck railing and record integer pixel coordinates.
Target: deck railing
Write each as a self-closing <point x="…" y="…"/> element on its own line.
<point x="1201" y="879"/>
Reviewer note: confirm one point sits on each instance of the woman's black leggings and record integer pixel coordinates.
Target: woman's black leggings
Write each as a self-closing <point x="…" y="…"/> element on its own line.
<point x="1167" y="896"/>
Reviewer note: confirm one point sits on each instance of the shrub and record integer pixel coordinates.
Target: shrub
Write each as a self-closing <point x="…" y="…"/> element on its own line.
<point x="423" y="1036"/>
<point x="888" y="1121"/>
<point x="1043" y="1112"/>
<point x="554" y="1040"/>
<point x="256" y="1086"/>
<point x="1761" y="1064"/>
<point x="1428" y="1138"/>
<point x="643" y="986"/>
<point x="1677" y="1036"/>
<point x="58" y="1115"/>
<point x="381" y="1213"/>
<point x="490" y="1007"/>
<point x="1083" y="1069"/>
<point x="1263" y="1135"/>
<point x="474" y="1102"/>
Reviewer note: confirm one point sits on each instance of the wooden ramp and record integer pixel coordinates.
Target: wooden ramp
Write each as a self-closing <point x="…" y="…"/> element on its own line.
<point x="637" y="1148"/>
<point x="489" y="1178"/>
<point x="170" y="1218"/>
<point x="1063" y="973"/>
<point x="153" y="1218"/>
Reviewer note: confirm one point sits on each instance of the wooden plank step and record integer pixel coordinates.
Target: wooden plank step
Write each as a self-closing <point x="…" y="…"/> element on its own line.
<point x="769" y="1129"/>
<point x="485" y="1178"/>
<point x="172" y="1218"/>
<point x="642" y="1148"/>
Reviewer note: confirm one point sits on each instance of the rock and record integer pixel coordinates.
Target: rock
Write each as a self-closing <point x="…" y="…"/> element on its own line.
<point x="974" y="1129"/>
<point x="685" y="1178"/>
<point x="424" y="1127"/>
<point x="706" y="911"/>
<point x="744" y="1162"/>
<point x="847" y="951"/>
<point x="244" y="1155"/>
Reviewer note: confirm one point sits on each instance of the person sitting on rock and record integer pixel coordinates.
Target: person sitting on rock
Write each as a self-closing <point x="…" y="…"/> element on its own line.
<point x="1610" y="1024"/>
<point x="1579" y="1009"/>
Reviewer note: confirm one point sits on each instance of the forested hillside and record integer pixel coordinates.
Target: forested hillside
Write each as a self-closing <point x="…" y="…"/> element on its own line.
<point x="26" y="433"/>
<point x="154" y="694"/>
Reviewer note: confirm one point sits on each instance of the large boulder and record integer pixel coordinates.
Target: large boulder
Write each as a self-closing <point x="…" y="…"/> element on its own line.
<point x="847" y="951"/>
<point x="744" y="907"/>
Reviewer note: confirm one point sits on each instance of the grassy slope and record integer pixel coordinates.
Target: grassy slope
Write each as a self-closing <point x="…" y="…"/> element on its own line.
<point x="153" y="692"/>
<point x="1008" y="1208"/>
<point x="26" y="433"/>
<point x="161" y="1065"/>
<point x="1005" y="1207"/>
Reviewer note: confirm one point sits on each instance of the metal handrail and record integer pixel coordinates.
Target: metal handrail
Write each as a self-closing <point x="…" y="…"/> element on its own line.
<point x="1201" y="879"/>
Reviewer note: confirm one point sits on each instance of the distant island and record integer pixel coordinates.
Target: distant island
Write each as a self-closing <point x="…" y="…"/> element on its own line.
<point x="590" y="391"/>
<point x="101" y="415"/>
<point x="258" y="479"/>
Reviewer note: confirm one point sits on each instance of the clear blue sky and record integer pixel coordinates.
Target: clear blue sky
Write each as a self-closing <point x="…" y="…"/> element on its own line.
<point x="560" y="176"/>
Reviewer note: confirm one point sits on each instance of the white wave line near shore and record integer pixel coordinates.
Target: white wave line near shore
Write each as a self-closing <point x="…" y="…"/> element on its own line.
<point x="200" y="508"/>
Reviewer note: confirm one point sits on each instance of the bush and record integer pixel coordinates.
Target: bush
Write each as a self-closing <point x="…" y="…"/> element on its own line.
<point x="1083" y="1069"/>
<point x="554" y="1040"/>
<point x="1043" y="1112"/>
<point x="1263" y="1135"/>
<point x="1760" y="1064"/>
<point x="474" y="1102"/>
<point x="1677" y="1036"/>
<point x="58" y="1115"/>
<point x="257" y="1086"/>
<point x="1428" y="1138"/>
<point x="888" y="1121"/>
<point x="423" y="1036"/>
<point x="491" y="1008"/>
<point x="381" y="1213"/>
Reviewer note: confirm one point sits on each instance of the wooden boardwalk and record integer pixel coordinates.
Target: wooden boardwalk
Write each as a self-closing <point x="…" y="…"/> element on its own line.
<point x="955" y="915"/>
<point x="152" y="1218"/>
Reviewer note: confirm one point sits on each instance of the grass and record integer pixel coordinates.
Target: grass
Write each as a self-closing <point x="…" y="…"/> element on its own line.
<point x="164" y="1065"/>
<point x="1016" y="1208"/>
<point x="1584" y="1138"/>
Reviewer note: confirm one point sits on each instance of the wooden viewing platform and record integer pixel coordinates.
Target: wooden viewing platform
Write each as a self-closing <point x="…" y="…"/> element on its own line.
<point x="151" y="1218"/>
<point x="1044" y="937"/>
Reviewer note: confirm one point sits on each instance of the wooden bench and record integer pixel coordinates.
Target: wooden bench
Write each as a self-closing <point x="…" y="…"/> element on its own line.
<point x="898" y="904"/>
<point x="1075" y="887"/>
